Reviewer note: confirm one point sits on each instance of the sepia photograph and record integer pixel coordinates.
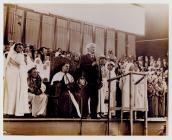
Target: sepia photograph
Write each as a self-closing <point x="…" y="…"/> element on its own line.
<point x="85" y="69"/>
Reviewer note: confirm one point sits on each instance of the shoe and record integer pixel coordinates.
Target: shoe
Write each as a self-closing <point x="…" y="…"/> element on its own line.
<point x="94" y="117"/>
<point x="103" y="116"/>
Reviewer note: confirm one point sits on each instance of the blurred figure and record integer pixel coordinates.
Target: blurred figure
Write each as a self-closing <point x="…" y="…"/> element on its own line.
<point x="58" y="52"/>
<point x="39" y="64"/>
<point x="162" y="97"/>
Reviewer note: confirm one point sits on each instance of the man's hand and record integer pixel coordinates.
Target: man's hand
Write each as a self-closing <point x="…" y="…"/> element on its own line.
<point x="94" y="63"/>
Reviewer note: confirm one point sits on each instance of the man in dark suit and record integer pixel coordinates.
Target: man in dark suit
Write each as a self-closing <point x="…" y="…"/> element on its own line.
<point x="92" y="75"/>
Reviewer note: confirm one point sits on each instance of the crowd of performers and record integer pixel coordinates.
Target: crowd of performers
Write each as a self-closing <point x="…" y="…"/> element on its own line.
<point x="56" y="83"/>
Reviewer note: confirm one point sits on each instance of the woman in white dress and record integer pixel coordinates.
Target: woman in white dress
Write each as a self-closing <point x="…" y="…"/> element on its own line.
<point x="102" y="108"/>
<point x="110" y="66"/>
<point x="15" y="83"/>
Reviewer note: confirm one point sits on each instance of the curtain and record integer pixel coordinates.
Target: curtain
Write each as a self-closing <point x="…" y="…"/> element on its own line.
<point x="32" y="28"/>
<point x="11" y="23"/>
<point x="110" y="44"/>
<point x="15" y="24"/>
<point x="121" y="46"/>
<point x="75" y="37"/>
<point x="62" y="38"/>
<point x="99" y="40"/>
<point x="131" y="45"/>
<point x="87" y="36"/>
<point x="48" y="26"/>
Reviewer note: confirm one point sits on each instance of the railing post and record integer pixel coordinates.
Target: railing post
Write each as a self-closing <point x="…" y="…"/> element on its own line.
<point x="131" y="109"/>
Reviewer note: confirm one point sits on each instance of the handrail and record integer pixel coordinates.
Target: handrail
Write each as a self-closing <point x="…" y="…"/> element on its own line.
<point x="117" y="77"/>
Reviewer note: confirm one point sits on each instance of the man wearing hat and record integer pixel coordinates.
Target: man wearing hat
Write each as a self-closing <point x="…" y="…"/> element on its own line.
<point x="92" y="75"/>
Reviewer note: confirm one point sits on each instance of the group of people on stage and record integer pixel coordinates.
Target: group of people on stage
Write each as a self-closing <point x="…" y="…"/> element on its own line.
<point x="67" y="84"/>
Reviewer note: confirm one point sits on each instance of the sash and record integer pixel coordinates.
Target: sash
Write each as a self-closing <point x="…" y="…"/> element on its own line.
<point x="75" y="103"/>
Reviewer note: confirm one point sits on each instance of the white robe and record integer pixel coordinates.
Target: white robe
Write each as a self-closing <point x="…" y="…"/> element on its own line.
<point x="39" y="66"/>
<point x="102" y="106"/>
<point x="30" y="63"/>
<point x="15" y="87"/>
<point x="46" y="70"/>
<point x="38" y="102"/>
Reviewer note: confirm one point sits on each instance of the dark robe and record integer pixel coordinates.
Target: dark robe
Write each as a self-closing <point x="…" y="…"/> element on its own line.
<point x="65" y="106"/>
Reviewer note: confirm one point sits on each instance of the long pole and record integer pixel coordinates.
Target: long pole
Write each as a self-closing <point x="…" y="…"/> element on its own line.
<point x="109" y="90"/>
<point x="80" y="133"/>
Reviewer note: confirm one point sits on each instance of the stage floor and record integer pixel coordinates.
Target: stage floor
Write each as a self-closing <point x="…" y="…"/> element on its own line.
<point x="70" y="126"/>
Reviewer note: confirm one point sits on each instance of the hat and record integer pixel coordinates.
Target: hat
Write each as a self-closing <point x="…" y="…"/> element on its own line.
<point x="102" y="56"/>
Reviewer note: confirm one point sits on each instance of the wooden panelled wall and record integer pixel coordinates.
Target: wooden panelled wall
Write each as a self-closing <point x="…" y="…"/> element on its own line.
<point x="51" y="31"/>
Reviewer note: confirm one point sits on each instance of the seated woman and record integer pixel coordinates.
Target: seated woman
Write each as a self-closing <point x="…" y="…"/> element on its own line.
<point x="67" y="104"/>
<point x="37" y="97"/>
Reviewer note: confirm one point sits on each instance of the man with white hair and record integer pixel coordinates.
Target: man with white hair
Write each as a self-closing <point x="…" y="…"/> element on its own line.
<point x="92" y="74"/>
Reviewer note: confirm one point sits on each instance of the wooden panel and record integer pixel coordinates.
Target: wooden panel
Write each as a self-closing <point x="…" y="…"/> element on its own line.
<point x="121" y="46"/>
<point x="131" y="45"/>
<point x="110" y="45"/>
<point x="48" y="26"/>
<point x="15" y="24"/>
<point x="62" y="34"/>
<point x="88" y="36"/>
<point x="5" y="17"/>
<point x="157" y="48"/>
<point x="75" y="37"/>
<point x="63" y="127"/>
<point x="99" y="40"/>
<point x="32" y="28"/>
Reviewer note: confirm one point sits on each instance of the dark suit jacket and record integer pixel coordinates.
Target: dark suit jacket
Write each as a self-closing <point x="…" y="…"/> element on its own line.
<point x="91" y="73"/>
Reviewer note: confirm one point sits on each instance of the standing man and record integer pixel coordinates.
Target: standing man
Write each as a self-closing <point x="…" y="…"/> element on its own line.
<point x="92" y="75"/>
